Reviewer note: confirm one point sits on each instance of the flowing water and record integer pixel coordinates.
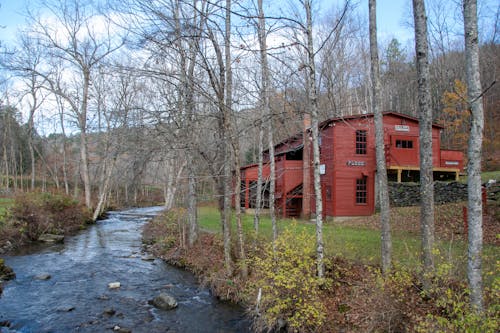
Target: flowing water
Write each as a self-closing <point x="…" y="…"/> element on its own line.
<point x="76" y="297"/>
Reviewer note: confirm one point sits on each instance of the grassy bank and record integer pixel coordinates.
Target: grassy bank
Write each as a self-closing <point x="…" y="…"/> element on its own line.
<point x="358" y="238"/>
<point x="353" y="297"/>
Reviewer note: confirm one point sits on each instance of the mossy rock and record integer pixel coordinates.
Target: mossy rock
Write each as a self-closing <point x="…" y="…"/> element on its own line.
<point x="6" y="273"/>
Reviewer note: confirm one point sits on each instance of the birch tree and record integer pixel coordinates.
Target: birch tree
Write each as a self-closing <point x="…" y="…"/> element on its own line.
<point x="475" y="209"/>
<point x="425" y="141"/>
<point x="313" y="111"/>
<point x="383" y="192"/>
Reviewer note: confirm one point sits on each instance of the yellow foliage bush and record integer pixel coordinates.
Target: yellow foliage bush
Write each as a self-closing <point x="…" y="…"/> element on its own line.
<point x="286" y="276"/>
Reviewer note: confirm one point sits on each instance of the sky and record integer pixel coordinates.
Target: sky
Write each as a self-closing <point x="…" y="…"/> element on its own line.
<point x="390" y="14"/>
<point x="10" y="17"/>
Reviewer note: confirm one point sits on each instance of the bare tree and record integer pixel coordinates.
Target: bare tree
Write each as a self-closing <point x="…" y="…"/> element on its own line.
<point x="383" y="192"/>
<point x="72" y="38"/>
<point x="475" y="209"/>
<point x="425" y="141"/>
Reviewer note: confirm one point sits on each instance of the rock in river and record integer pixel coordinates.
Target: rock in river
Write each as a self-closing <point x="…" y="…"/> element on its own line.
<point x="148" y="257"/>
<point x="164" y="301"/>
<point x="65" y="308"/>
<point x="109" y="312"/>
<point x="50" y="238"/>
<point x="114" y="285"/>
<point x="42" y="277"/>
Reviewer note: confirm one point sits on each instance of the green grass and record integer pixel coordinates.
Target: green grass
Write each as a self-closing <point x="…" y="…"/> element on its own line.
<point x="485" y="176"/>
<point x="355" y="243"/>
<point x="362" y="244"/>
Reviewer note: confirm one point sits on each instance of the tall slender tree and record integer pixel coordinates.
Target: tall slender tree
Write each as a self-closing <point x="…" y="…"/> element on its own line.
<point x="266" y="122"/>
<point x="425" y="141"/>
<point x="383" y="192"/>
<point x="475" y="209"/>
<point x="313" y="111"/>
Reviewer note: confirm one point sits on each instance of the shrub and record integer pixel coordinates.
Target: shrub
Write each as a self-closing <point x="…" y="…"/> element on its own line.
<point x="289" y="287"/>
<point x="37" y="213"/>
<point x="454" y="313"/>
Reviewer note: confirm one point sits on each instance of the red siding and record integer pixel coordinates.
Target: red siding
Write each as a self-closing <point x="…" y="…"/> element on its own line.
<point x="453" y="159"/>
<point x="343" y="164"/>
<point x="288" y="175"/>
<point x="397" y="128"/>
<point x="349" y="166"/>
<point x="251" y="172"/>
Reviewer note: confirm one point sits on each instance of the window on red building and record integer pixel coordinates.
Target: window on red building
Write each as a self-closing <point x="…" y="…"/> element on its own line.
<point x="361" y="191"/>
<point x="361" y="138"/>
<point x="405" y="144"/>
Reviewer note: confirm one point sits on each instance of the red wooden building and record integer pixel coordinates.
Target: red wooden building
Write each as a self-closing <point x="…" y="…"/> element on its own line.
<point x="348" y="166"/>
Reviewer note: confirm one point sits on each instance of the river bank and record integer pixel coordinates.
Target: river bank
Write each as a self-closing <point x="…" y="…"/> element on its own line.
<point x="353" y="297"/>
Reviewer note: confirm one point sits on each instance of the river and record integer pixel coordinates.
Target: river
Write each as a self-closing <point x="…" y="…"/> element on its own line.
<point x="76" y="297"/>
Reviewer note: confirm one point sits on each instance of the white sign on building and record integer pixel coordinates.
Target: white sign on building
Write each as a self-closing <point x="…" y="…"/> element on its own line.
<point x="402" y="128"/>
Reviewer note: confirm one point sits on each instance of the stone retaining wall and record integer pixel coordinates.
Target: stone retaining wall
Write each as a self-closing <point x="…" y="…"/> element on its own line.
<point x="408" y="194"/>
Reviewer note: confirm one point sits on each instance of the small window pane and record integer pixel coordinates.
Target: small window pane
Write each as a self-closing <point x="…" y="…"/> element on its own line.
<point x="361" y="139"/>
<point x="404" y="144"/>
<point x="361" y="191"/>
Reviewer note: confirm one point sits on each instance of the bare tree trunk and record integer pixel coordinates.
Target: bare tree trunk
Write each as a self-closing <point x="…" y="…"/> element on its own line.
<point x="383" y="192"/>
<point x="187" y="102"/>
<point x="64" y="145"/>
<point x="226" y="210"/>
<point x="313" y="109"/>
<point x="14" y="165"/>
<point x="239" y="225"/>
<point x="272" y="176"/>
<point x="230" y="130"/>
<point x="264" y="109"/>
<point x="170" y="185"/>
<point x="83" y="139"/>
<point x="475" y="209"/>
<point x="22" y="173"/>
<point x="192" y="206"/>
<point x="32" y="158"/>
<point x="306" y="165"/>
<point x="103" y="193"/>
<point x="6" y="160"/>
<point x="260" y="167"/>
<point x="425" y="118"/>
